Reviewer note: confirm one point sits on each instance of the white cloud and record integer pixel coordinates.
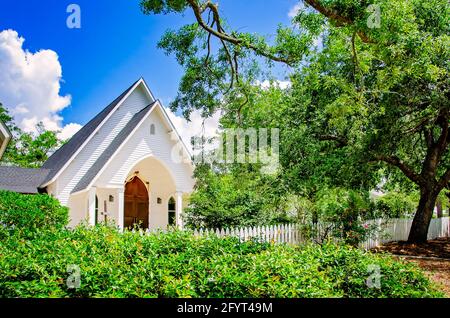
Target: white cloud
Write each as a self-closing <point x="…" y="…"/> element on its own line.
<point x="68" y="131"/>
<point x="295" y="10"/>
<point x="194" y="126"/>
<point x="30" y="85"/>
<point x="277" y="83"/>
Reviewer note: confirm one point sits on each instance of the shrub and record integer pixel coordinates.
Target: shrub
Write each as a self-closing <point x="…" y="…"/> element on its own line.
<point x="228" y="196"/>
<point x="29" y="213"/>
<point x="395" y="205"/>
<point x="177" y="264"/>
<point x="342" y="212"/>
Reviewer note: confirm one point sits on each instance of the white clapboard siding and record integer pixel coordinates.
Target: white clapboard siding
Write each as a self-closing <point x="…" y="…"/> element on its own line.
<point x="160" y="146"/>
<point x="84" y="160"/>
<point x="389" y="230"/>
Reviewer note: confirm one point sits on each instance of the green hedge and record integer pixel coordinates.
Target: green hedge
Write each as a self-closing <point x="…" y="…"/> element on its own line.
<point x="177" y="264"/>
<point x="395" y="204"/>
<point x="30" y="213"/>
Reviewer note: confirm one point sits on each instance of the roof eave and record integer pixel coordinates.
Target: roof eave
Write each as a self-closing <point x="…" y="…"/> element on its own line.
<point x="53" y="179"/>
<point x="155" y="103"/>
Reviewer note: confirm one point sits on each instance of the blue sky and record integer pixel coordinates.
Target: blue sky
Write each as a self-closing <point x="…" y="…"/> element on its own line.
<point x="117" y="44"/>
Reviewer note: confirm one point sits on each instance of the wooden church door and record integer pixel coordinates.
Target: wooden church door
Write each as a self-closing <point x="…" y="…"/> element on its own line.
<point x="136" y="204"/>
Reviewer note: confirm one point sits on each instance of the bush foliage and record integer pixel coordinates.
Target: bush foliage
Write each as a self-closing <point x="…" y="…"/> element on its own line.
<point x="232" y="196"/>
<point x="30" y="213"/>
<point x="39" y="255"/>
<point x="177" y="264"/>
<point x="396" y="204"/>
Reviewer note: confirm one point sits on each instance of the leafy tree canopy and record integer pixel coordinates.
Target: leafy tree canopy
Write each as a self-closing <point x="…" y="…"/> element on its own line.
<point x="372" y="95"/>
<point x="28" y="150"/>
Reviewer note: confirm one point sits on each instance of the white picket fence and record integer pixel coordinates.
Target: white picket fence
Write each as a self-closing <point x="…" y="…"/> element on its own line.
<point x="393" y="230"/>
<point x="286" y="233"/>
<point x="389" y="230"/>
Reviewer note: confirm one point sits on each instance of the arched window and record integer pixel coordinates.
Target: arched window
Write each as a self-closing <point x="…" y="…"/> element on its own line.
<point x="171" y="211"/>
<point x="96" y="210"/>
<point x="152" y="129"/>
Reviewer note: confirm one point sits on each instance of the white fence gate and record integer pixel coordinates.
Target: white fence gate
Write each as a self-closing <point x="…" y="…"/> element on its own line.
<point x="390" y="230"/>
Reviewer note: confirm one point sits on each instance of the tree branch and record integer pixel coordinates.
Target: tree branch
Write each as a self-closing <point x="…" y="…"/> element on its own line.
<point x="209" y="46"/>
<point x="240" y="108"/>
<point x="236" y="64"/>
<point x="222" y="35"/>
<point x="444" y="180"/>
<point x="437" y="148"/>
<point x="428" y="137"/>
<point x="230" y="61"/>
<point x="342" y="142"/>
<point x="395" y="161"/>
<point x="335" y="16"/>
<point x="443" y="122"/>
<point x="356" y="68"/>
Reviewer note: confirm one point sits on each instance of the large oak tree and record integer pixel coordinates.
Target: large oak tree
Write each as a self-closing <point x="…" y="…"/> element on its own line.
<point x="375" y="90"/>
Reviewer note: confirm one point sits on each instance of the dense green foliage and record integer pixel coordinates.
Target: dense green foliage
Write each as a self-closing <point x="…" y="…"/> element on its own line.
<point x="395" y="205"/>
<point x="29" y="150"/>
<point x="177" y="264"/>
<point x="28" y="214"/>
<point x="38" y="256"/>
<point x="239" y="195"/>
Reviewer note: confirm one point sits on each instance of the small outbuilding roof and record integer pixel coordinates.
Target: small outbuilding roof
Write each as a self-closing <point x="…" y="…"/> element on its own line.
<point x="22" y="180"/>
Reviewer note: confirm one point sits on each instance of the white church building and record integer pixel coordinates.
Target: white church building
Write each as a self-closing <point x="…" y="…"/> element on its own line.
<point x="127" y="165"/>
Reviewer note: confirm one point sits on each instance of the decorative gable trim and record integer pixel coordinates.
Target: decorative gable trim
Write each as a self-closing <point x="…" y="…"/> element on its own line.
<point x="116" y="145"/>
<point x="157" y="105"/>
<point x="119" y="103"/>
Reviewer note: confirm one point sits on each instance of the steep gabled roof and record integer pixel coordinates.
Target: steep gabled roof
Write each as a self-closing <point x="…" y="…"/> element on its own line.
<point x="21" y="180"/>
<point x="64" y="154"/>
<point x="112" y="148"/>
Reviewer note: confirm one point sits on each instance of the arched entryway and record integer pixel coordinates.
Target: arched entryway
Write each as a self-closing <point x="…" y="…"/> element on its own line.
<point x="136" y="208"/>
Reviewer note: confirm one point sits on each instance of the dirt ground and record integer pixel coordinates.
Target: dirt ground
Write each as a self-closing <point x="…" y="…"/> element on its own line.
<point x="433" y="257"/>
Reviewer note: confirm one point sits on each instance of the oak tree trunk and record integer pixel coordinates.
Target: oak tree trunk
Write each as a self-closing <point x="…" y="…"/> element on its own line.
<point x="422" y="219"/>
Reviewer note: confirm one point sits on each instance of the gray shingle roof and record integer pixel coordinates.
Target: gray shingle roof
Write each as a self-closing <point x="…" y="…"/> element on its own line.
<point x="22" y="180"/>
<point x="60" y="157"/>
<point x="112" y="148"/>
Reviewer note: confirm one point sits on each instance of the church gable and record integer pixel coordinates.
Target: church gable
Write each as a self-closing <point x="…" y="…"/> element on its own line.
<point x="131" y="102"/>
<point x="154" y="138"/>
<point x="65" y="154"/>
<point x="112" y="148"/>
<point x="132" y="141"/>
